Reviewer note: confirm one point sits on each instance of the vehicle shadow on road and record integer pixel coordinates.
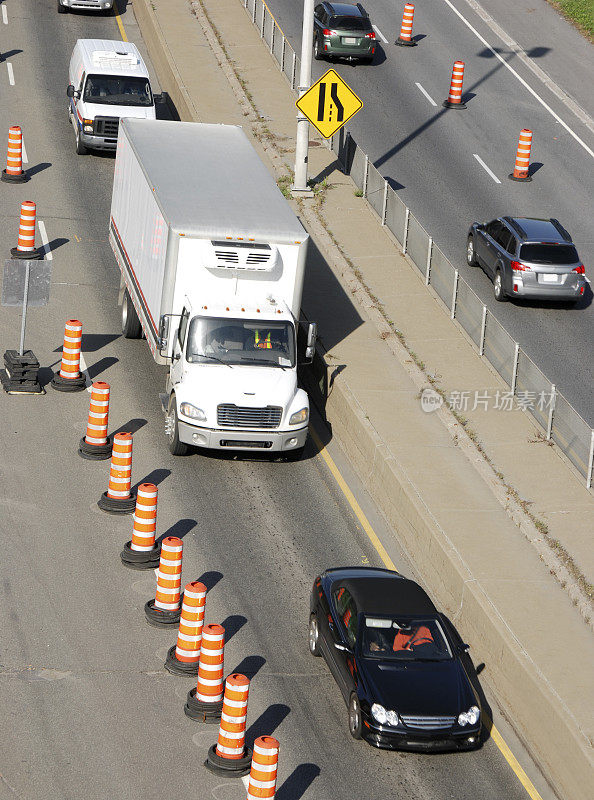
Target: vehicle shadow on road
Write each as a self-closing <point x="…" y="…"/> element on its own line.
<point x="298" y="782"/>
<point x="267" y="722"/>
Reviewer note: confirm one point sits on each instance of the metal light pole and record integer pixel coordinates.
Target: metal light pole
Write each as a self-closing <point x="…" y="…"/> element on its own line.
<point x="300" y="184"/>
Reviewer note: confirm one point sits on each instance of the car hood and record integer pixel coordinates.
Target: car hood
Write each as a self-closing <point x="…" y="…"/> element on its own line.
<point x="93" y="110"/>
<point x="432" y="688"/>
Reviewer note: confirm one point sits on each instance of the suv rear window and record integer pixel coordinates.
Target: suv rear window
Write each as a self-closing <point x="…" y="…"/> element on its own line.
<point x="350" y="24"/>
<point x="549" y="253"/>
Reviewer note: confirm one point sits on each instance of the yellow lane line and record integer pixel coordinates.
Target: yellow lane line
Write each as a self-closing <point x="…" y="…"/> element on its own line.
<point x="374" y="539"/>
<point x="119" y="21"/>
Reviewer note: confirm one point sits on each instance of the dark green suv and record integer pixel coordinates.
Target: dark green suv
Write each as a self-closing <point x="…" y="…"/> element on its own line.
<point x="342" y="30"/>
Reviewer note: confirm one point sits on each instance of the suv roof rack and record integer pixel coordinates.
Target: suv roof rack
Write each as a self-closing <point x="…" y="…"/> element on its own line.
<point x="561" y="229"/>
<point x="515" y="225"/>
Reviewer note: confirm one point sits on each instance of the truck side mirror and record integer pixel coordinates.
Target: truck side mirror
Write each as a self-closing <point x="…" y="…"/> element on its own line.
<point x="312" y="335"/>
<point x="163" y="331"/>
<point x="70" y="91"/>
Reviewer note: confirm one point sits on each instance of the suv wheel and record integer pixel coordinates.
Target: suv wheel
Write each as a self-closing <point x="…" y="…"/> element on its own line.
<point x="318" y="55"/>
<point x="355" y="718"/>
<point x="498" y="289"/>
<point x="62" y="9"/>
<point x="470" y="256"/>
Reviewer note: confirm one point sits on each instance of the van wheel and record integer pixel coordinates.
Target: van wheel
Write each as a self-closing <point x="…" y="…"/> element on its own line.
<point x="176" y="448"/>
<point x="131" y="327"/>
<point x="62" y="9"/>
<point x="81" y="150"/>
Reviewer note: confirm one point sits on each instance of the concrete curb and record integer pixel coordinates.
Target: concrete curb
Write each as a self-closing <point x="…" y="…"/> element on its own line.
<point x="552" y="735"/>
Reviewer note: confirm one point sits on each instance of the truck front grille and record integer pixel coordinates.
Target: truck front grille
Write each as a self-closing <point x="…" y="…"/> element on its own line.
<point x="107" y="126"/>
<point x="428" y="723"/>
<point x="232" y="416"/>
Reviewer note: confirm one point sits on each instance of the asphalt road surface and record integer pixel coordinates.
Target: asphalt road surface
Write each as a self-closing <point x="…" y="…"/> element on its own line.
<point x="428" y="152"/>
<point x="87" y="709"/>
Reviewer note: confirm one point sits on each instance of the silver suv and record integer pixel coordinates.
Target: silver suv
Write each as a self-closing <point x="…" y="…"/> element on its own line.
<point x="527" y="257"/>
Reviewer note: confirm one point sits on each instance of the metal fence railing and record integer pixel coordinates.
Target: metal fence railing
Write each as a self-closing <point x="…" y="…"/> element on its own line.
<point x="528" y="385"/>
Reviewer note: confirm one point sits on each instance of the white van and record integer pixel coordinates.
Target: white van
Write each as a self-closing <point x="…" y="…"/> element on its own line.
<point x="108" y="80"/>
<point x="84" y="5"/>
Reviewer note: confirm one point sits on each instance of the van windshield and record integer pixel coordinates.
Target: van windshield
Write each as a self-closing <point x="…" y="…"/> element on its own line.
<point x="241" y="341"/>
<point x="118" y="90"/>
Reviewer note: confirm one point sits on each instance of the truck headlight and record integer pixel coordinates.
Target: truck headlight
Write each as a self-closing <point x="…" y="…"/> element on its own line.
<point x="299" y="416"/>
<point x="188" y="410"/>
<point x="470" y="717"/>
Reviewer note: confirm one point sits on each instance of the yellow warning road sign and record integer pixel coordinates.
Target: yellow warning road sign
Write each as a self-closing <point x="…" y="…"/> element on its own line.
<point x="329" y="103"/>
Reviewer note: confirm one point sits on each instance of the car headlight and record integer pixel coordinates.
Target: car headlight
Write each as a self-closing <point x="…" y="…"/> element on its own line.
<point x="393" y="718"/>
<point x="379" y="713"/>
<point x="299" y="416"/>
<point x="470" y="717"/>
<point x="188" y="410"/>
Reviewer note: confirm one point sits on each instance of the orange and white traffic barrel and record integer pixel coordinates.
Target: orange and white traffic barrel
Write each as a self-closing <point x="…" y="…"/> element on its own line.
<point x="119" y="499"/>
<point x="455" y="96"/>
<point x="405" y="39"/>
<point x="183" y="657"/>
<point x="205" y="701"/>
<point x="522" y="165"/>
<point x="70" y="378"/>
<point x="14" y="172"/>
<point x="142" y="552"/>
<point x="165" y="608"/>
<point x="96" y="445"/>
<point x="229" y="756"/>
<point x="26" y="242"/>
<point x="262" y="783"/>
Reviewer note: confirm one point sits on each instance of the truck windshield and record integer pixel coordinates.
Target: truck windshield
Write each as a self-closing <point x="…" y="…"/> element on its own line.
<point x="239" y="341"/>
<point x="118" y="90"/>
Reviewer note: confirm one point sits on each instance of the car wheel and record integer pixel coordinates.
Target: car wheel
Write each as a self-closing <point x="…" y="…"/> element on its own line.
<point x="470" y="255"/>
<point x="62" y="9"/>
<point x="131" y="327"/>
<point x="313" y="637"/>
<point x="176" y="448"/>
<point x="355" y="717"/>
<point x="318" y="55"/>
<point x="81" y="150"/>
<point x="498" y="289"/>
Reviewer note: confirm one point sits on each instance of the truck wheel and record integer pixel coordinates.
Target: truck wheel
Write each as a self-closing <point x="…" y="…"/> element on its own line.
<point x="131" y="327"/>
<point x="176" y="448"/>
<point x="81" y="150"/>
<point x="62" y="9"/>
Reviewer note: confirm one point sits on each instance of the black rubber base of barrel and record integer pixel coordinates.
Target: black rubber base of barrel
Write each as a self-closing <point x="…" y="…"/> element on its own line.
<point x="95" y="452"/>
<point x="228" y="767"/>
<point x="14" y="178"/>
<point x="177" y="667"/>
<point x="61" y="384"/>
<point x="124" y="505"/>
<point x="449" y="104"/>
<point x="405" y="42"/>
<point x="140" y="559"/>
<point x="527" y="179"/>
<point x="200" y="711"/>
<point x="160" y="619"/>
<point x="30" y="255"/>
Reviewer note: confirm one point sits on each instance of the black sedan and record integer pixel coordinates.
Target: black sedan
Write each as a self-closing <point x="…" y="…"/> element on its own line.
<point x="395" y="659"/>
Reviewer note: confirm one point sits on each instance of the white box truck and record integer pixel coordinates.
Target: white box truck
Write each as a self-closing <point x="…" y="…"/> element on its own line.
<point x="212" y="260"/>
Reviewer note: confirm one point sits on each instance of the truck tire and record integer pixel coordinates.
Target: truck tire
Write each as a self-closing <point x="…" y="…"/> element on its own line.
<point x="176" y="448"/>
<point x="81" y="150"/>
<point x="131" y="327"/>
<point x="62" y="9"/>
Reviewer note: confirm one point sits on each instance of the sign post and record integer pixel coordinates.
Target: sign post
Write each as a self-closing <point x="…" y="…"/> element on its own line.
<point x="300" y="186"/>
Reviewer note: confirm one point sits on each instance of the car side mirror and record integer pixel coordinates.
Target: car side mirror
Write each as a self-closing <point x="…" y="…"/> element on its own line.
<point x="463" y="647"/>
<point x="70" y="91"/>
<point x="343" y="648"/>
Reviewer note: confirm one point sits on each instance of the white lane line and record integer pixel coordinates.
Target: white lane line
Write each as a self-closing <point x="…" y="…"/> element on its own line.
<point x="10" y="73"/>
<point x="4" y="15"/>
<point x="245" y="779"/>
<point x="45" y="240"/>
<point x="428" y="96"/>
<point x="24" y="153"/>
<point x="85" y="371"/>
<point x="522" y="81"/>
<point x="380" y="34"/>
<point x="486" y="168"/>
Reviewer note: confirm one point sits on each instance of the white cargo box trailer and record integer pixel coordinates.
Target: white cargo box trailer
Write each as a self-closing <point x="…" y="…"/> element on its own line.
<point x="212" y="260"/>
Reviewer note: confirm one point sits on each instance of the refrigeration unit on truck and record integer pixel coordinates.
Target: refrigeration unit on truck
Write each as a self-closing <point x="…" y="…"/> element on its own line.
<point x="212" y="261"/>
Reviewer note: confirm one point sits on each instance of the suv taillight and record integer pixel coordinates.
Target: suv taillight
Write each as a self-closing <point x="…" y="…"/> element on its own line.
<point x="581" y="270"/>
<point x="327" y="32"/>
<point x="370" y="35"/>
<point x="517" y="266"/>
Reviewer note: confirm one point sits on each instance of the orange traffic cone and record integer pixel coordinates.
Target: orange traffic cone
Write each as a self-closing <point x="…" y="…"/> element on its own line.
<point x="118" y="499"/>
<point x="165" y="608"/>
<point x="14" y="172"/>
<point x="26" y="242"/>
<point x="262" y="782"/>
<point x="205" y="701"/>
<point x="455" y="96"/>
<point x="405" y="39"/>
<point x="230" y="756"/>
<point x="70" y="378"/>
<point x="96" y="445"/>
<point x="182" y="658"/>
<point x="522" y="164"/>
<point x="141" y="552"/>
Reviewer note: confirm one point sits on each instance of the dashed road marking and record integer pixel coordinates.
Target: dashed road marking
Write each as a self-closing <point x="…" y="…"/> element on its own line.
<point x="427" y="95"/>
<point x="10" y="73"/>
<point x="4" y="15"/>
<point x="43" y="233"/>
<point x="380" y="34"/>
<point x="486" y="168"/>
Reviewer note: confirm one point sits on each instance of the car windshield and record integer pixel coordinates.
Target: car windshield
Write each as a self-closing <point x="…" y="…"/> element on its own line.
<point x="350" y="24"/>
<point x="241" y="341"/>
<point x="404" y="639"/>
<point x="541" y="253"/>
<point x="118" y="90"/>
